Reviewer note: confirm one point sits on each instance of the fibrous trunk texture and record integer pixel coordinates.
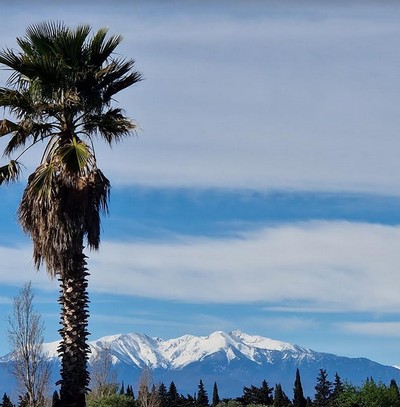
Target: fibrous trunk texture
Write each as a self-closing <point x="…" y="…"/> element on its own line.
<point x="73" y="349"/>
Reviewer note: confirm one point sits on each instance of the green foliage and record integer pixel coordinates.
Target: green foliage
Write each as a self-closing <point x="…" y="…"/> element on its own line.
<point x="371" y="394"/>
<point x="257" y="395"/>
<point x="229" y="403"/>
<point x="280" y="398"/>
<point x="112" y="400"/>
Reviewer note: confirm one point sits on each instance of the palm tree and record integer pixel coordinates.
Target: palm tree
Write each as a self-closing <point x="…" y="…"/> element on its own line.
<point x="60" y="92"/>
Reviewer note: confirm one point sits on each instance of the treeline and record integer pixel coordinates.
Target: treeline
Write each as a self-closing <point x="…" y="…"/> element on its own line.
<point x="327" y="394"/>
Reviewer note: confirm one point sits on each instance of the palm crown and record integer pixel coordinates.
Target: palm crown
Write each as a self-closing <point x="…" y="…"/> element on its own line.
<point x="61" y="91"/>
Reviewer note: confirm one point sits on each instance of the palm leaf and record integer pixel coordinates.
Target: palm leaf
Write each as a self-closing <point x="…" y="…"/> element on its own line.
<point x="74" y="155"/>
<point x="10" y="172"/>
<point x="42" y="180"/>
<point x="7" y="127"/>
<point x="111" y="125"/>
<point x="27" y="130"/>
<point x="69" y="46"/>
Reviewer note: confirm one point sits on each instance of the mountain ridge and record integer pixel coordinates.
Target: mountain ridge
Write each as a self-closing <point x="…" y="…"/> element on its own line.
<point x="233" y="360"/>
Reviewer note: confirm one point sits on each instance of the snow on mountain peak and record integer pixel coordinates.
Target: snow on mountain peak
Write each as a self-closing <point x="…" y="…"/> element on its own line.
<point x="261" y="342"/>
<point x="177" y="353"/>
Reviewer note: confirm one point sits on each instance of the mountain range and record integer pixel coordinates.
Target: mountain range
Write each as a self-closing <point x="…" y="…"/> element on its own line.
<point x="233" y="360"/>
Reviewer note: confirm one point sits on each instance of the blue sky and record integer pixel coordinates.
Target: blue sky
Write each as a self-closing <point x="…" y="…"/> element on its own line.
<point x="262" y="192"/>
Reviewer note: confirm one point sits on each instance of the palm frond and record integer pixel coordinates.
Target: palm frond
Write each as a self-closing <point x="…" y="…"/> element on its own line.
<point x="111" y="125"/>
<point x="25" y="131"/>
<point x="98" y="194"/>
<point x="121" y="84"/>
<point x="115" y="70"/>
<point x="7" y="127"/>
<point x="75" y="156"/>
<point x="10" y="59"/>
<point x="18" y="140"/>
<point x="19" y="103"/>
<point x="42" y="180"/>
<point x="40" y="37"/>
<point x="10" y="172"/>
<point x="99" y="50"/>
<point x="70" y="45"/>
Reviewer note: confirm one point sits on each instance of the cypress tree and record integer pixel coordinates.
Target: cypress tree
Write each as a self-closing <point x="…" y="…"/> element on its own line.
<point x="395" y="388"/>
<point x="129" y="392"/>
<point x="215" y="397"/>
<point x="173" y="398"/>
<point x="162" y="395"/>
<point x="202" y="397"/>
<point x="56" y="399"/>
<point x="298" y="395"/>
<point x="323" y="389"/>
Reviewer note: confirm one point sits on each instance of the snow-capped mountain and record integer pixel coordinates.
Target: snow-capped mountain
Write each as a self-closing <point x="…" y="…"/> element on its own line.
<point x="142" y="350"/>
<point x="233" y="360"/>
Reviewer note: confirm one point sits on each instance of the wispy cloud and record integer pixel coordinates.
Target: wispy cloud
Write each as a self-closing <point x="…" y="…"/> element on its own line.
<point x="6" y="300"/>
<point x="302" y="98"/>
<point x="333" y="266"/>
<point x="378" y="329"/>
<point x="282" y="324"/>
<point x="336" y="266"/>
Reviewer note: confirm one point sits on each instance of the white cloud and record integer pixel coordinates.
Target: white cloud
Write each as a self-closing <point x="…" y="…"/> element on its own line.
<point x="17" y="268"/>
<point x="5" y="300"/>
<point x="328" y="266"/>
<point x="282" y="324"/>
<point x="377" y="329"/>
<point x="336" y="266"/>
<point x="283" y="97"/>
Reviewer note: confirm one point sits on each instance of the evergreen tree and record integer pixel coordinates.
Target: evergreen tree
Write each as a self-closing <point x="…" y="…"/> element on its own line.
<point x="162" y="395"/>
<point x="6" y="401"/>
<point x="250" y="395"/>
<point x="56" y="399"/>
<point x="188" y="400"/>
<point x="265" y="394"/>
<point x="337" y="389"/>
<point x="129" y="392"/>
<point x="298" y="395"/>
<point x="173" y="398"/>
<point x="394" y="388"/>
<point x="257" y="395"/>
<point x="280" y="398"/>
<point x="122" y="389"/>
<point x="215" y="397"/>
<point x="323" y="389"/>
<point x="202" y="396"/>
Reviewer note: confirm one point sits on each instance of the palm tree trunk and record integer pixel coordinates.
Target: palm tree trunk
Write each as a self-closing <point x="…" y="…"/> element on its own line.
<point x="73" y="349"/>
